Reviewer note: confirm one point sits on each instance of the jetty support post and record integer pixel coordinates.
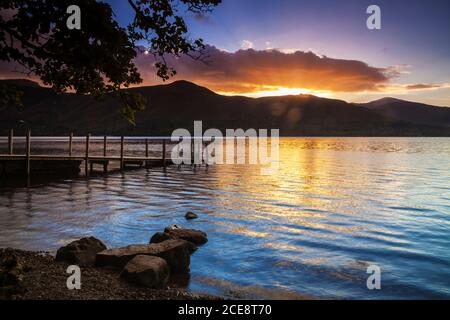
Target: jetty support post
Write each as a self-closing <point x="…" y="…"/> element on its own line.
<point x="104" y="145"/>
<point x="193" y="151"/>
<point x="105" y="162"/>
<point x="122" y="163"/>
<point x="206" y="154"/>
<point x="70" y="144"/>
<point x="146" y="152"/>
<point x="28" y="154"/>
<point x="164" y="153"/>
<point x="11" y="142"/>
<point x="86" y="160"/>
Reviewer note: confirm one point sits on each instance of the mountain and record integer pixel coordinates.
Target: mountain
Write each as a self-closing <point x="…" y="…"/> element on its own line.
<point x="20" y="83"/>
<point x="412" y="112"/>
<point x="179" y="104"/>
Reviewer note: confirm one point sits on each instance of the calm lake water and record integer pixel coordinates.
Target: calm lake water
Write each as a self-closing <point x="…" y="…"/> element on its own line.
<point x="335" y="206"/>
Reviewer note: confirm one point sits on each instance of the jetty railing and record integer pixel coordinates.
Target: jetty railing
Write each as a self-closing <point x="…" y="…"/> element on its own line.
<point x="88" y="158"/>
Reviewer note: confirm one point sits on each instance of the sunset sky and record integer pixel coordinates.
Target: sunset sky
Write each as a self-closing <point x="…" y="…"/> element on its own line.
<point x="321" y="47"/>
<point x="263" y="47"/>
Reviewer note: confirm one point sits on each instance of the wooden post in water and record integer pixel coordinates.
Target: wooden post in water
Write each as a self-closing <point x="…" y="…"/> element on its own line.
<point x="164" y="153"/>
<point x="122" y="164"/>
<point x="86" y="160"/>
<point x="192" y="150"/>
<point x="104" y="146"/>
<point x="146" y="152"/>
<point x="105" y="163"/>
<point x="206" y="154"/>
<point x="11" y="142"/>
<point x="28" y="156"/>
<point x="70" y="143"/>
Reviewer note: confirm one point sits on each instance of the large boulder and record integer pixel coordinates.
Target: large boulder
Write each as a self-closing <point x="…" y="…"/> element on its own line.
<point x="80" y="252"/>
<point x="148" y="271"/>
<point x="195" y="236"/>
<point x="175" y="252"/>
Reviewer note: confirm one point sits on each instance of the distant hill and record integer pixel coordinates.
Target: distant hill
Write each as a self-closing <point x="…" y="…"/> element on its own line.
<point x="178" y="104"/>
<point x="412" y="112"/>
<point x="20" y="83"/>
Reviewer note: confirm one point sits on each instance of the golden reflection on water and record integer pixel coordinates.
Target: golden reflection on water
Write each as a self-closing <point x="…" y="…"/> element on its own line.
<point x="307" y="179"/>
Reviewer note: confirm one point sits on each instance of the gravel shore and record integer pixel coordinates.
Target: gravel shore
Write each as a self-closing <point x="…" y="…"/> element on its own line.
<point x="45" y="279"/>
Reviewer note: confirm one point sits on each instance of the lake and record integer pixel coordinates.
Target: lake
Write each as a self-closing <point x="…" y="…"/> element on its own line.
<point x="335" y="207"/>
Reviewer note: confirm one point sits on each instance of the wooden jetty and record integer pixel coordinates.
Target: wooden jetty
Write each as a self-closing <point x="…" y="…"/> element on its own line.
<point x="70" y="163"/>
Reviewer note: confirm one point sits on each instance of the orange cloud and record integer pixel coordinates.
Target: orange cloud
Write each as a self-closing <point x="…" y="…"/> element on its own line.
<point x="247" y="71"/>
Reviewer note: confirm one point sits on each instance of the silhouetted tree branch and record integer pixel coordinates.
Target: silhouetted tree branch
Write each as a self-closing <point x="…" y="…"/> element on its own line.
<point x="98" y="59"/>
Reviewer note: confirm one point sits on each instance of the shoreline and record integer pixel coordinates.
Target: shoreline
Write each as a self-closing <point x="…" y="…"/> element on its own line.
<point x="43" y="278"/>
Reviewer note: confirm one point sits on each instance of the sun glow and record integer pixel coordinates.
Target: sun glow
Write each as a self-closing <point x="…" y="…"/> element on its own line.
<point x="280" y="91"/>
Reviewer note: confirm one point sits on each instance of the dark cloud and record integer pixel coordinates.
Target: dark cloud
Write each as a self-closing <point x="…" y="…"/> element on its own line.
<point x="421" y="86"/>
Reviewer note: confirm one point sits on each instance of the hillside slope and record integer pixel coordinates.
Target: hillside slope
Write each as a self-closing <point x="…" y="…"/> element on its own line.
<point x="411" y="112"/>
<point x="178" y="104"/>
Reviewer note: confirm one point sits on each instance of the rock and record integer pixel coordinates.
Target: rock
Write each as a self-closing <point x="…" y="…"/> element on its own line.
<point x="195" y="236"/>
<point x="148" y="271"/>
<point x="11" y="273"/>
<point x="160" y="237"/>
<point x="176" y="253"/>
<point x="80" y="252"/>
<point x="190" y="215"/>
